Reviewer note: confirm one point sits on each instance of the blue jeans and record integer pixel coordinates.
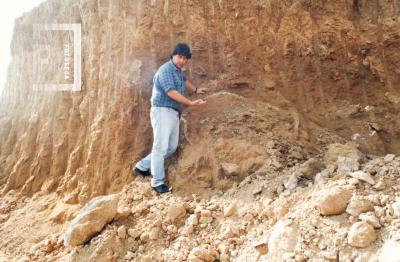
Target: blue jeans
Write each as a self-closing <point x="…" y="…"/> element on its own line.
<point x="165" y="123"/>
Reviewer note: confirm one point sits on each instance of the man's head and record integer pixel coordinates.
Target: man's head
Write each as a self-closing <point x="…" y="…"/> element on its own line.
<point x="181" y="54"/>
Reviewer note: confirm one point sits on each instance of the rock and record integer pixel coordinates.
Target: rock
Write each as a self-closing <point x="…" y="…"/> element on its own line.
<point x="284" y="238"/>
<point x="396" y="209"/>
<point x="361" y="175"/>
<point x="205" y="216"/>
<point x="371" y="219"/>
<point x="154" y="232"/>
<point x="261" y="247"/>
<point x="393" y="98"/>
<point x="91" y="219"/>
<point x="134" y="233"/>
<point x="308" y="169"/>
<point x="359" y="205"/>
<point x="230" y="210"/>
<point x="291" y="183"/>
<point x="203" y="253"/>
<point x="380" y="185"/>
<point x="172" y="230"/>
<point x="350" y="111"/>
<point x="123" y="211"/>
<point x="205" y="220"/>
<point x="129" y="255"/>
<point x="145" y="236"/>
<point x="349" y="150"/>
<point x="229" y="231"/>
<point x="191" y="222"/>
<point x="257" y="190"/>
<point x="390" y="251"/>
<point x="288" y="255"/>
<point x="229" y="169"/>
<point x="332" y="201"/>
<point x="121" y="232"/>
<point x="363" y="258"/>
<point x="361" y="234"/>
<point x="347" y="165"/>
<point x="248" y="217"/>
<point x="389" y="158"/>
<point x="176" y="212"/>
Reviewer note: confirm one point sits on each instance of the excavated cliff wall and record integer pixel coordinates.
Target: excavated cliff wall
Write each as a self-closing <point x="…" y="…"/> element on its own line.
<point x="329" y="65"/>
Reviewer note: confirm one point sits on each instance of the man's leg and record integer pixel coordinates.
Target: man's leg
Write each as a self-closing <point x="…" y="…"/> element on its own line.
<point x="164" y="121"/>
<point x="173" y="140"/>
<point x="144" y="163"/>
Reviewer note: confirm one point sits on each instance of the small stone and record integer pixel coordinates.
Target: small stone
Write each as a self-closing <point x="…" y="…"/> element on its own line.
<point x="172" y="229"/>
<point x="154" y="233"/>
<point x="176" y="212"/>
<point x="203" y="253"/>
<point x="229" y="169"/>
<point x="380" y="185"/>
<point x="390" y="252"/>
<point x="121" y="232"/>
<point x="145" y="237"/>
<point x="332" y="201"/>
<point x="361" y="234"/>
<point x="330" y="254"/>
<point x="134" y="233"/>
<point x="291" y="183"/>
<point x="396" y="209"/>
<point x="371" y="219"/>
<point x="205" y="213"/>
<point x="205" y="220"/>
<point x="284" y="238"/>
<point x="261" y="247"/>
<point x="347" y="165"/>
<point x="361" y="175"/>
<point x="129" y="255"/>
<point x="248" y="217"/>
<point x="257" y="190"/>
<point x="288" y="255"/>
<point x="230" y="210"/>
<point x="388" y="158"/>
<point x="359" y="205"/>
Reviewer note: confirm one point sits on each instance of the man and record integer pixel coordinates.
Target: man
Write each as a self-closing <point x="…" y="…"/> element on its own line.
<point x="167" y="101"/>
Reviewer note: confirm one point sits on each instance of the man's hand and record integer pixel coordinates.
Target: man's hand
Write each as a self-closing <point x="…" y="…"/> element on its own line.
<point x="201" y="91"/>
<point x="197" y="102"/>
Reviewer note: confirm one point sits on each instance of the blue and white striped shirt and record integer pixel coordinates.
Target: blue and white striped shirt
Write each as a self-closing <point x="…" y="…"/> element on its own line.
<point x="168" y="77"/>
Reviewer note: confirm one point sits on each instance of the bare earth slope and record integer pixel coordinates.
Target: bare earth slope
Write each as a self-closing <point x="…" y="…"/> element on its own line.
<point x="286" y="80"/>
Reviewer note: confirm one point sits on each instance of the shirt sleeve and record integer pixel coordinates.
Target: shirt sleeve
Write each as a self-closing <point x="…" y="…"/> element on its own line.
<point x="166" y="80"/>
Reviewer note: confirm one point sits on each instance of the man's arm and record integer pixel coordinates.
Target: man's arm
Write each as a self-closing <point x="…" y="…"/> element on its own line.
<point x="195" y="90"/>
<point x="190" y="86"/>
<point x="175" y="95"/>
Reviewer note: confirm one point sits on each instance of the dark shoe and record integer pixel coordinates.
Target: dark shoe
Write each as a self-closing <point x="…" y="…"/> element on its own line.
<point x="142" y="173"/>
<point x="161" y="189"/>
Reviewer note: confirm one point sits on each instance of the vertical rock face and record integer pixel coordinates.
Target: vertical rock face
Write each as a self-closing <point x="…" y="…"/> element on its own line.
<point x="336" y="63"/>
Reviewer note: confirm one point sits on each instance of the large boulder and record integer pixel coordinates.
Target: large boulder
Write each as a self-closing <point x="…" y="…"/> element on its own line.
<point x="91" y="220"/>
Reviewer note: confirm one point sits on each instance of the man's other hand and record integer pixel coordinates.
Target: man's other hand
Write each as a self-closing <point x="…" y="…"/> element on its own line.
<point x="198" y="102"/>
<point x="201" y="91"/>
